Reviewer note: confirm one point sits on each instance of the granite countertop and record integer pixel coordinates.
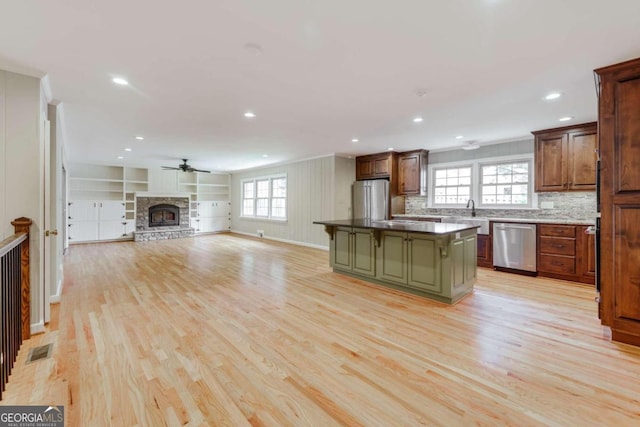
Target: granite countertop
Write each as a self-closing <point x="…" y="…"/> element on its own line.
<point x="426" y="227"/>
<point x="567" y="221"/>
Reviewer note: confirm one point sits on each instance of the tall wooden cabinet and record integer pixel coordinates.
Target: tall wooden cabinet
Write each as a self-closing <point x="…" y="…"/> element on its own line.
<point x="412" y="173"/>
<point x="619" y="138"/>
<point x="566" y="158"/>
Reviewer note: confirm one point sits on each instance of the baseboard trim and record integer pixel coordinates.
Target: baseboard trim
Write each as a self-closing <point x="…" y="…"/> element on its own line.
<point x="37" y="328"/>
<point x="57" y="297"/>
<point x="293" y="242"/>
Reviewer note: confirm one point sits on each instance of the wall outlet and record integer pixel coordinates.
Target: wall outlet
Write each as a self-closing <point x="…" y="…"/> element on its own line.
<point x="260" y="233"/>
<point x="546" y="205"/>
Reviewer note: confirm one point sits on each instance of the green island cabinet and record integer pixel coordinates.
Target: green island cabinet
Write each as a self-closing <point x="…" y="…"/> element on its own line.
<point x="442" y="267"/>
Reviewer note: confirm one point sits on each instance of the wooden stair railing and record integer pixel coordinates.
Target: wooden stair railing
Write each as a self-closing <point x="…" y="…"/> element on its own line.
<point x="15" y="287"/>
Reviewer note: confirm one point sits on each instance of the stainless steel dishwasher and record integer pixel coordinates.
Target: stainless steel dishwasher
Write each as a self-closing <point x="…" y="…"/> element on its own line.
<point x="514" y="246"/>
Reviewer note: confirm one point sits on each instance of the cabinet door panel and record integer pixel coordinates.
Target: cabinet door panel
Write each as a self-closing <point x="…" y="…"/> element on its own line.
<point x="392" y="258"/>
<point x="424" y="263"/>
<point x="409" y="174"/>
<point x="582" y="160"/>
<point x="627" y="142"/>
<point x="111" y="210"/>
<point x="551" y="163"/>
<point x="111" y="230"/>
<point x="342" y="248"/>
<point x="364" y="252"/>
<point x="627" y="255"/>
<point x="220" y="208"/>
<point x="83" y="231"/>
<point x="83" y="210"/>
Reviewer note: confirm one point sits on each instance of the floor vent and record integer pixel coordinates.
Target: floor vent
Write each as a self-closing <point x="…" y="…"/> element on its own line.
<point x="39" y="353"/>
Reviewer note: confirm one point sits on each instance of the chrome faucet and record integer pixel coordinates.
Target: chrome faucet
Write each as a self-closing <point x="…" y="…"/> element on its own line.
<point x="473" y="207"/>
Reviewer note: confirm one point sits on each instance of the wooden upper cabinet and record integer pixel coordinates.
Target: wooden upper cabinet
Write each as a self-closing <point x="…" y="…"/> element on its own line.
<point x="412" y="172"/>
<point x="375" y="166"/>
<point x="566" y="158"/>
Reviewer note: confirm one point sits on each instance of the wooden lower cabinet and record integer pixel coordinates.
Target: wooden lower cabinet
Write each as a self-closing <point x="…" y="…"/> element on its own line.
<point x="485" y="256"/>
<point x="354" y="250"/>
<point x="566" y="252"/>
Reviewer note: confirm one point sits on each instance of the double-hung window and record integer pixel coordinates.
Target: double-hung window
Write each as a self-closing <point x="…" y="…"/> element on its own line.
<point x="505" y="184"/>
<point x="452" y="186"/>
<point x="265" y="198"/>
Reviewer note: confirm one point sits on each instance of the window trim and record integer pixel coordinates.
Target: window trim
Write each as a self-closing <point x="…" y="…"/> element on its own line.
<point x="476" y="178"/>
<point x="270" y="179"/>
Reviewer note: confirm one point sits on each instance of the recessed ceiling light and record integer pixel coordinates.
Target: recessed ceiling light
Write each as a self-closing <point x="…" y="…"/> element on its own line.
<point x="471" y="145"/>
<point x="459" y="137"/>
<point x="120" y="81"/>
<point x="355" y="140"/>
<point x="249" y="115"/>
<point x="127" y="149"/>
<point x="565" y="119"/>
<point x="421" y="93"/>
<point x="390" y="149"/>
<point x="139" y="138"/>
<point x="553" y="95"/>
<point x="265" y="155"/>
<point x="417" y="119"/>
<point x="120" y="157"/>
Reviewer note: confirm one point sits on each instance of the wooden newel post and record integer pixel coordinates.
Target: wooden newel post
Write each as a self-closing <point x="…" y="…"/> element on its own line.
<point x="22" y="225"/>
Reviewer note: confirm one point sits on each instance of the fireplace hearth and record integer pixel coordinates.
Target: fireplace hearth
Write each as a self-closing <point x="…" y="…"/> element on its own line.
<point x="163" y="215"/>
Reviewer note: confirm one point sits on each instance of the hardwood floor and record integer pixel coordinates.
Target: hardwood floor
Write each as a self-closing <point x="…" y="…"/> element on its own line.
<point x="224" y="330"/>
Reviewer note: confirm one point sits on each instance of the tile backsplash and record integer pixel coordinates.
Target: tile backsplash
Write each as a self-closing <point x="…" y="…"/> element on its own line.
<point x="566" y="205"/>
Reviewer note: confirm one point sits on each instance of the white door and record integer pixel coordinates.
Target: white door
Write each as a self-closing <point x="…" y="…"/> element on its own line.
<point x="48" y="243"/>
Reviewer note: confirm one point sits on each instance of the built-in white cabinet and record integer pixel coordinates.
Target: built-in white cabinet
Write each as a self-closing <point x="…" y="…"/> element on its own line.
<point x="91" y="220"/>
<point x="212" y="216"/>
<point x="102" y="201"/>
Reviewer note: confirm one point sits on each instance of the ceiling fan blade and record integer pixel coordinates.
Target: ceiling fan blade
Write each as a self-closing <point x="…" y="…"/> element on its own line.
<point x="198" y="170"/>
<point x="169" y="168"/>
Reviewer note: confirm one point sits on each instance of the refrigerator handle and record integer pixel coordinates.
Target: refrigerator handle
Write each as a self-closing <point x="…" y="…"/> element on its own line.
<point x="367" y="201"/>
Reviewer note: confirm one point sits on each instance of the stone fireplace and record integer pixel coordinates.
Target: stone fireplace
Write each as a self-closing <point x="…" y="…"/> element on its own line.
<point x="162" y="217"/>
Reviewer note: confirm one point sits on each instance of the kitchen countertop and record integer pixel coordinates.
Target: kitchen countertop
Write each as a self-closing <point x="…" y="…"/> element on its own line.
<point x="521" y="220"/>
<point x="426" y="227"/>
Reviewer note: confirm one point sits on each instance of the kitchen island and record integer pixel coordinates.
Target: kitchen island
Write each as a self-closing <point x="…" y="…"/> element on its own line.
<point x="434" y="260"/>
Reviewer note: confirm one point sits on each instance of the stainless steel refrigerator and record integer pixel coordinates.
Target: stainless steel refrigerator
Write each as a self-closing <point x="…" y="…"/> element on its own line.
<point x="371" y="199"/>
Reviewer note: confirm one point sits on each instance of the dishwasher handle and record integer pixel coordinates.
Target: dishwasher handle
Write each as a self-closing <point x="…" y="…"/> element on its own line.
<point x="513" y="227"/>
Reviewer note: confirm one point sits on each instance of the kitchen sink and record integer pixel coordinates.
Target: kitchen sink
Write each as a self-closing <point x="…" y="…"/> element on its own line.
<point x="483" y="223"/>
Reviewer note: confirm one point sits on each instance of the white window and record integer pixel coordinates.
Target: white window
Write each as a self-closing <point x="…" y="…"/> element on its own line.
<point x="505" y="184"/>
<point x="452" y="186"/>
<point x="265" y="198"/>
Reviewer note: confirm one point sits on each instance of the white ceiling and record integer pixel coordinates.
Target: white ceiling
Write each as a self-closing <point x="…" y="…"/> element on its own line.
<point x="328" y="71"/>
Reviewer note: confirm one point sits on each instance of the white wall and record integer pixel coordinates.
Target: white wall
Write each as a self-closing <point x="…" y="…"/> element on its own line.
<point x="22" y="112"/>
<point x="317" y="189"/>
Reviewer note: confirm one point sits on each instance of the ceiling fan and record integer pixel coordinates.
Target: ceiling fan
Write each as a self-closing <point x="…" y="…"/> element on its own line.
<point x="184" y="167"/>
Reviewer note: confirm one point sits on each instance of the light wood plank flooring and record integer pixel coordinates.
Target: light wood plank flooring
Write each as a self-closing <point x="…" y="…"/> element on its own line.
<point x="224" y="330"/>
